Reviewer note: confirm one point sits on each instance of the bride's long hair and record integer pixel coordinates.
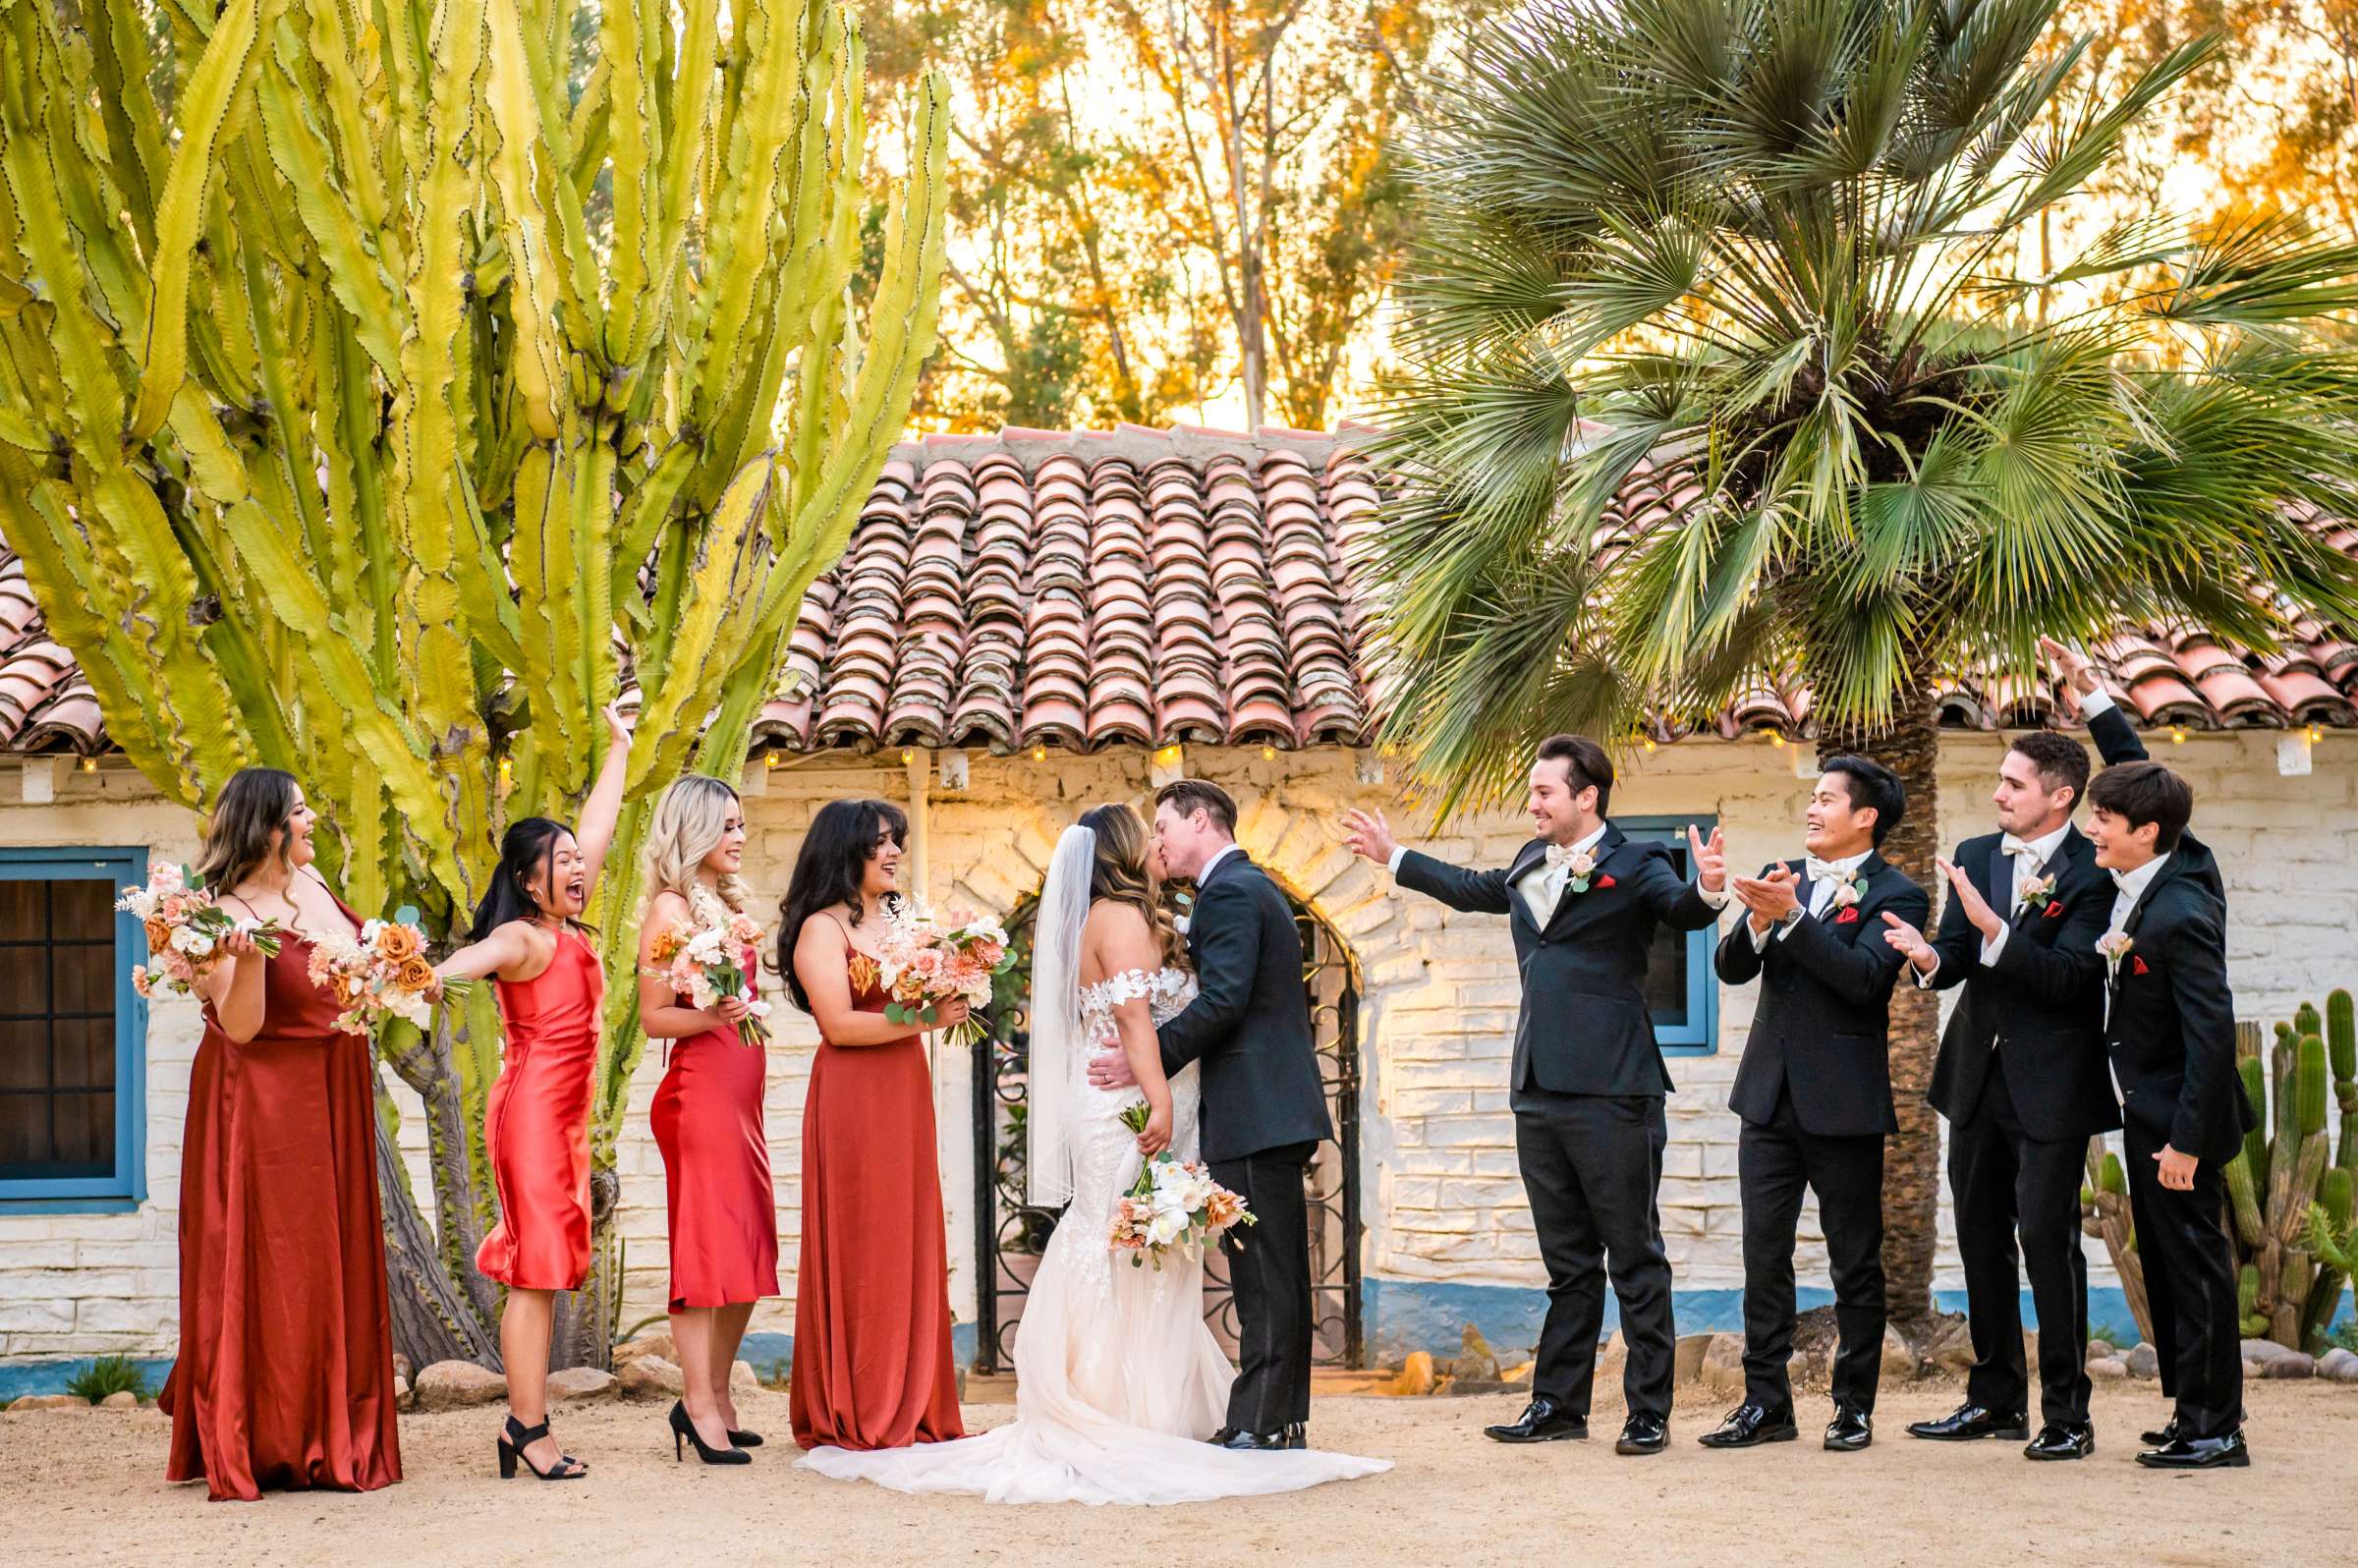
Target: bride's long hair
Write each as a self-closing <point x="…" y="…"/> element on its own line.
<point x="1119" y="873"/>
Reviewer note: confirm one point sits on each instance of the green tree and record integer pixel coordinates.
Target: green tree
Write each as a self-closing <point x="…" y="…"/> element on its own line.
<point x="333" y="440"/>
<point x="1732" y="362"/>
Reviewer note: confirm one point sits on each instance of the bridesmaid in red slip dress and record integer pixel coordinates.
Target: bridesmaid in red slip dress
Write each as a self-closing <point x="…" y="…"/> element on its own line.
<point x="528" y="934"/>
<point x="872" y="1310"/>
<point x="285" y="1371"/>
<point x="707" y="1113"/>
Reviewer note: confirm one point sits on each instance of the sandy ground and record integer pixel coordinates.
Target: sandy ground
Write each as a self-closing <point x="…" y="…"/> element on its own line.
<point x="86" y="1489"/>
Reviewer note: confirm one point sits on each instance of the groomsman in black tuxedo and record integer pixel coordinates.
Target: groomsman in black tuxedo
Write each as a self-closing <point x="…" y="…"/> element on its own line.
<point x="1813" y="1090"/>
<point x="2116" y="741"/>
<point x="1587" y="1082"/>
<point x="2021" y="1078"/>
<point x="2170" y="1028"/>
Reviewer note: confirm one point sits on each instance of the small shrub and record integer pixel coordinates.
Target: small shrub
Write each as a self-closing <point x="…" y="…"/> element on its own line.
<point x="2345" y="1334"/>
<point x="108" y="1375"/>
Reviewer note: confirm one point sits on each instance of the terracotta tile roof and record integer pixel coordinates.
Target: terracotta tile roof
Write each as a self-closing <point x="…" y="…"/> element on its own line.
<point x="1135" y="587"/>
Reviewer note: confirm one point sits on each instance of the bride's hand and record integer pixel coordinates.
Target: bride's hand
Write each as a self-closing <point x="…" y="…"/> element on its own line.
<point x="1157" y="1136"/>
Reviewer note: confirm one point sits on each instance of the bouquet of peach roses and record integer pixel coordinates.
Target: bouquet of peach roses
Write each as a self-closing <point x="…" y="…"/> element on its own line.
<point x="924" y="963"/>
<point x="381" y="974"/>
<point x="698" y="959"/>
<point x="185" y="929"/>
<point x="1173" y="1203"/>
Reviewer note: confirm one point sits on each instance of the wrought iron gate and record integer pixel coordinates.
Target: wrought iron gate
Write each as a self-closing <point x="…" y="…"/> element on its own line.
<point x="1011" y="1234"/>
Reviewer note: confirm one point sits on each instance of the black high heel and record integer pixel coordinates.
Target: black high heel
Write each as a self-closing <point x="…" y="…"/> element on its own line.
<point x="745" y="1439"/>
<point x="683" y="1428"/>
<point x="515" y="1436"/>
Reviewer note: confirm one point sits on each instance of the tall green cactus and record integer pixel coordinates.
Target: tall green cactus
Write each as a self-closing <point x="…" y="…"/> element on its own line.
<point x="2342" y="1041"/>
<point x="333" y="438"/>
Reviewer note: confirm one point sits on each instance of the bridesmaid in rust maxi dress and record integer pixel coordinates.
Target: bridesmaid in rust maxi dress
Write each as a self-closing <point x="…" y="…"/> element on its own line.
<point x="707" y="1113"/>
<point x="872" y="1310"/>
<point x="285" y="1371"/>
<point x="528" y="934"/>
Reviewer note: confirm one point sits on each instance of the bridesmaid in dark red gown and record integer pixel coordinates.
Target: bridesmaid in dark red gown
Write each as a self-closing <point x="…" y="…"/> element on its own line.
<point x="528" y="935"/>
<point x="707" y="1113"/>
<point x="285" y="1371"/>
<point x="871" y="1315"/>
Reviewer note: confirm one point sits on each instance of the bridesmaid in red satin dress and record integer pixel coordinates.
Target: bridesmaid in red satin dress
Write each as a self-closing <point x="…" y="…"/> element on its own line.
<point x="285" y="1371"/>
<point x="528" y="935"/>
<point x="707" y="1113"/>
<point x="871" y="1314"/>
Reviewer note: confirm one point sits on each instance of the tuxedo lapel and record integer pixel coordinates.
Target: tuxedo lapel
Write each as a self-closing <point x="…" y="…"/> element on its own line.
<point x="1532" y="862"/>
<point x="1568" y="898"/>
<point x="1998" y="881"/>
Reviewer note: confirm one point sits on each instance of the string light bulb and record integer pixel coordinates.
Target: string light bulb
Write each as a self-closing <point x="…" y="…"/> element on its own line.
<point x="89" y="764"/>
<point x="1269" y="754"/>
<point x="2316" y="734"/>
<point x="906" y="757"/>
<point x="1648" y="742"/>
<point x="2177" y="735"/>
<point x="1040" y="753"/>
<point x="1776" y="739"/>
<point x="769" y="759"/>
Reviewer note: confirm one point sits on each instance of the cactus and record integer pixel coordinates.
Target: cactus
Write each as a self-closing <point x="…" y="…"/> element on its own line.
<point x="2309" y="1087"/>
<point x="335" y="436"/>
<point x="2247" y="1296"/>
<point x="2255" y="1141"/>
<point x="2115" y="1180"/>
<point x="2306" y="1020"/>
<point x="2243" y="1199"/>
<point x="2342" y="1043"/>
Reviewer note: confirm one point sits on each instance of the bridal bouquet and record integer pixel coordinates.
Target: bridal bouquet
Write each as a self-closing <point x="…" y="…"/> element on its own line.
<point x="701" y="958"/>
<point x="1173" y="1203"/>
<point x="382" y="972"/>
<point x="923" y="963"/>
<point x="185" y="929"/>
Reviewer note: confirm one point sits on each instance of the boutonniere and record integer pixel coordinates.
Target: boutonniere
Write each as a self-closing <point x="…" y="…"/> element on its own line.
<point x="1849" y="891"/>
<point x="1183" y="908"/>
<point x="2116" y="945"/>
<point x="1582" y="865"/>
<point x="2039" y="893"/>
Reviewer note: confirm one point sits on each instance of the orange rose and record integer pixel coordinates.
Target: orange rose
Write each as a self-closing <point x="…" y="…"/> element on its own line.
<point x="666" y="943"/>
<point x="397" y="942"/>
<point x="415" y="973"/>
<point x="159" y="934"/>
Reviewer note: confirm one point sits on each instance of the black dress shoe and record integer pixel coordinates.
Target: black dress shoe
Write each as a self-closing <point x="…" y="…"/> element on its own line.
<point x="1970" y="1421"/>
<point x="1219" y="1439"/>
<point x="1642" y="1434"/>
<point x="2062" y="1439"/>
<point x="1543" y="1421"/>
<point x="2199" y="1454"/>
<point x="2161" y="1438"/>
<point x="1749" y="1425"/>
<point x="1255" y="1442"/>
<point x="1850" y="1430"/>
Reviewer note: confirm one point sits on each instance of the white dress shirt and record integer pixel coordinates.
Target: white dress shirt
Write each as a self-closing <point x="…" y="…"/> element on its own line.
<point x="1544" y="888"/>
<point x="2128" y="888"/>
<point x="1822" y="893"/>
<point x="2031" y="860"/>
<point x="1222" y="853"/>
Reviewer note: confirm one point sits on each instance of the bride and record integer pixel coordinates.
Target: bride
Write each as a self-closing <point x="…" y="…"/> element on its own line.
<point x="1117" y="1378"/>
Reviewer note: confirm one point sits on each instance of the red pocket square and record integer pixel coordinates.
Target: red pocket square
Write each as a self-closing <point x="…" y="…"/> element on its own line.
<point x="2137" y="967"/>
<point x="1849" y="917"/>
<point x="2054" y="909"/>
<point x="1604" y="881"/>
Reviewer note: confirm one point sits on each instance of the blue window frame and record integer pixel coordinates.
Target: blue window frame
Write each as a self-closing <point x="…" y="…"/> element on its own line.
<point x="1679" y="987"/>
<point x="73" y="1033"/>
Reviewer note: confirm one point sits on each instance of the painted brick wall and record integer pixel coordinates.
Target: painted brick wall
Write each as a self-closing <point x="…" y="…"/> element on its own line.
<point x="1442" y="1200"/>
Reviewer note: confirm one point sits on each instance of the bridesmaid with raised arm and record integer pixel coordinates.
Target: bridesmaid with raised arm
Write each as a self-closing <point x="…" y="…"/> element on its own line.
<point x="285" y="1373"/>
<point x="707" y="1113"/>
<point x="872" y="1307"/>
<point x="528" y="934"/>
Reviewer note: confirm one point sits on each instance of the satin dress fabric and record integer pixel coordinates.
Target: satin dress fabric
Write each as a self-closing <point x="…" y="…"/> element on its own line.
<point x="723" y="1211"/>
<point x="872" y="1366"/>
<point x="284" y="1378"/>
<point x="538" y="1122"/>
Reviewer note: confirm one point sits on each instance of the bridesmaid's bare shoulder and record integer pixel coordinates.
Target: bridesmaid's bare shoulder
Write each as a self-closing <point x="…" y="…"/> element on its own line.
<point x="533" y="946"/>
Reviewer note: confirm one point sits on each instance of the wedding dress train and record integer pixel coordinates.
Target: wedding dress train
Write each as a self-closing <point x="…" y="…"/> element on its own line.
<point x="1118" y="1380"/>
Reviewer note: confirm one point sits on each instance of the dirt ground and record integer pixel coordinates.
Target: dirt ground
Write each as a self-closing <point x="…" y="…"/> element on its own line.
<point x="86" y="1487"/>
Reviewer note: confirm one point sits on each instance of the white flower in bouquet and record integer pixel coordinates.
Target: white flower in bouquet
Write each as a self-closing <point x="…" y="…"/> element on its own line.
<point x="1166" y="1227"/>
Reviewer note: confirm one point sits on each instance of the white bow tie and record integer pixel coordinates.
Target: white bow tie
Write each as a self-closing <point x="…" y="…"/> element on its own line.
<point x="2011" y="845"/>
<point x="1818" y="870"/>
<point x="1561" y="854"/>
<point x="2120" y="879"/>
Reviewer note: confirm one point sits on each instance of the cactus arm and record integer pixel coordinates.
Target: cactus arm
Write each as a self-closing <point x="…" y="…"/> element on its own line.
<point x="719" y="598"/>
<point x="635" y="145"/>
<point x="516" y="112"/>
<point x="2244" y="1200"/>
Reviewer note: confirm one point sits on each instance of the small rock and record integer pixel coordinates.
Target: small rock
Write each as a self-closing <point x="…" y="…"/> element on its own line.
<point x="2339" y="1365"/>
<point x="1518" y="1377"/>
<point x="652" y="1378"/>
<point x="582" y="1383"/>
<point x="1686" y="1357"/>
<point x="1899" y="1362"/>
<point x="1461" y="1387"/>
<point x="459" y="1384"/>
<point x="654" y="1342"/>
<point x="1475" y="1362"/>
<point x="2107" y="1368"/>
<point x="2144" y="1362"/>
<point x="1723" y="1363"/>
<point x="120" y="1399"/>
<point x="1416" y="1376"/>
<point x="404" y="1397"/>
<point x="2265" y="1351"/>
<point x="403" y="1370"/>
<point x="2292" y="1365"/>
<point x="51" y="1402"/>
<point x="2254" y="1369"/>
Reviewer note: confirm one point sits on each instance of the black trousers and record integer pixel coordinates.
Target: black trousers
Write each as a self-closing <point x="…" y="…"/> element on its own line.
<point x="1268" y="1270"/>
<point x="1775" y="1164"/>
<point x="2003" y="1180"/>
<point x="1592" y="1164"/>
<point x="2190" y="1289"/>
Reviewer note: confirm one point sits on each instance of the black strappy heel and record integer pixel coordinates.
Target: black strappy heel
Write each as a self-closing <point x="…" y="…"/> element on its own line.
<point x="683" y="1430"/>
<point x="516" y="1437"/>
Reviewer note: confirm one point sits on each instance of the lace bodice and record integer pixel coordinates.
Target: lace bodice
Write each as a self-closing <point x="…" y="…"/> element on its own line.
<point x="1168" y="992"/>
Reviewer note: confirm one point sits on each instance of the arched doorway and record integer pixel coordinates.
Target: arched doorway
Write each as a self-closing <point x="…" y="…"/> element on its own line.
<point x="1010" y="1233"/>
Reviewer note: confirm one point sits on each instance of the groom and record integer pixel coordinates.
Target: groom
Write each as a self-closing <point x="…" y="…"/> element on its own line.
<point x="1265" y="1107"/>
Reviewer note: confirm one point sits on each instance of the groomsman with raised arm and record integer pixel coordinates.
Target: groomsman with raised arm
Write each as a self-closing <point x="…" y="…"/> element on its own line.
<point x="1587" y="1082"/>
<point x="1813" y="1090"/>
<point x="2170" y="1029"/>
<point x="2022" y="1080"/>
<point x="2116" y="741"/>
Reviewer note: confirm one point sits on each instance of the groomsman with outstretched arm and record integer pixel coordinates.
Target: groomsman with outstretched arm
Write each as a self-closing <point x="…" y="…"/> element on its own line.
<point x="1586" y="1082"/>
<point x="2021" y="1078"/>
<point x="2170" y="1029"/>
<point x="2117" y="742"/>
<point x="1814" y="1091"/>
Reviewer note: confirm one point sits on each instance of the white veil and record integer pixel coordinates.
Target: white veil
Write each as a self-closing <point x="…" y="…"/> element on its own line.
<point x="1057" y="1017"/>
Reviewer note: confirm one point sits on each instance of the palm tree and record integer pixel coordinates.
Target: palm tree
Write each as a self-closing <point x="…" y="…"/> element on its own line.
<point x="1736" y="353"/>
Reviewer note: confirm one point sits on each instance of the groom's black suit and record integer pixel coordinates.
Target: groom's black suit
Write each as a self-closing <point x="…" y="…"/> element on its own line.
<point x="1265" y="1112"/>
<point x="1587" y="1086"/>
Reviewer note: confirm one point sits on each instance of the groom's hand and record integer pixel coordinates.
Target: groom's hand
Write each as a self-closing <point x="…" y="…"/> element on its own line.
<point x="1111" y="1071"/>
<point x="1368" y="834"/>
<point x="1710" y="856"/>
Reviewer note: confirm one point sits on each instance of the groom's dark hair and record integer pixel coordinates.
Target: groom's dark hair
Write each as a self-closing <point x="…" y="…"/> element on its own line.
<point x="1584" y="764"/>
<point x="1189" y="796"/>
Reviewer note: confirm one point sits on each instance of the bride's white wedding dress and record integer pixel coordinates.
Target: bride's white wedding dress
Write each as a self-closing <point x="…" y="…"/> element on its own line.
<point x="1118" y="1380"/>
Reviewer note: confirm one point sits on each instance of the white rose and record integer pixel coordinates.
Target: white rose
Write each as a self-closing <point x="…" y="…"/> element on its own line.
<point x="1165" y="1228"/>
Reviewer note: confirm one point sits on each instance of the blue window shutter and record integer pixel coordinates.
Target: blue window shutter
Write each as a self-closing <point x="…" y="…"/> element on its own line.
<point x="1679" y="980"/>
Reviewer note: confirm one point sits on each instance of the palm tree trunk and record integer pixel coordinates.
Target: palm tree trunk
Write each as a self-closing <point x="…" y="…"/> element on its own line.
<point x="1910" y="746"/>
